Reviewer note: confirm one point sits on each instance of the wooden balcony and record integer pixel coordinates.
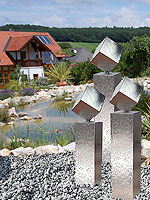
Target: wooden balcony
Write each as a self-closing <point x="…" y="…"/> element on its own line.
<point x="30" y="63"/>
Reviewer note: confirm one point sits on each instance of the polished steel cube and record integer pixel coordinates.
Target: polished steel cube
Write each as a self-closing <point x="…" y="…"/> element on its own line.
<point x="107" y="55"/>
<point x="126" y="95"/>
<point x="88" y="103"/>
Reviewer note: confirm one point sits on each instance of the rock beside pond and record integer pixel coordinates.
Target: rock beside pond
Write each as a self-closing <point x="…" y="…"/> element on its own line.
<point x="26" y="118"/>
<point x="10" y="123"/>
<point x="5" y="152"/>
<point x="22" y="151"/>
<point x="21" y="114"/>
<point x="68" y="99"/>
<point x="12" y="112"/>
<point x="69" y="147"/>
<point x="145" y="149"/>
<point x="46" y="149"/>
<point x="37" y="117"/>
<point x="2" y="124"/>
<point x="25" y="100"/>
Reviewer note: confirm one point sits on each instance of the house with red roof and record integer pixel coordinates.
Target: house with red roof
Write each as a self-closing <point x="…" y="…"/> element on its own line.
<point x="30" y="50"/>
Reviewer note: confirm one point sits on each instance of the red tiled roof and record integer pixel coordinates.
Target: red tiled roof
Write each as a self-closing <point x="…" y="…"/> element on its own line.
<point x="23" y="37"/>
<point x="16" y="43"/>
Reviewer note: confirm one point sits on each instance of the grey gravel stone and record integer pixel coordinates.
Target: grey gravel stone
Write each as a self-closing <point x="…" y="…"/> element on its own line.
<point x="51" y="177"/>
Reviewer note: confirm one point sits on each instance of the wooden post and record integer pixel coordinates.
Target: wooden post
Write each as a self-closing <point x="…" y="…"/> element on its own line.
<point x="37" y="50"/>
<point x="29" y="55"/>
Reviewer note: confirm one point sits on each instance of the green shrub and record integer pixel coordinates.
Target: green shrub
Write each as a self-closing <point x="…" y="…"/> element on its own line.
<point x="59" y="72"/>
<point x="4" y="94"/>
<point x="83" y="72"/>
<point x="42" y="81"/>
<point x="65" y="45"/>
<point x="135" y="60"/>
<point x="28" y="92"/>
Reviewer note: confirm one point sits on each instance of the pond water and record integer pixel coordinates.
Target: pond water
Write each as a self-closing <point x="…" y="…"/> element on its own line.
<point x="57" y="116"/>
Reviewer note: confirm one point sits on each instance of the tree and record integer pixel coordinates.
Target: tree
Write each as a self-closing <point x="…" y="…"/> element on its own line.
<point x="136" y="57"/>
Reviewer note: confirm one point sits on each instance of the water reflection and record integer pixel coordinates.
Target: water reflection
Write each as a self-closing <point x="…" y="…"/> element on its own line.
<point x="62" y="107"/>
<point x="56" y="115"/>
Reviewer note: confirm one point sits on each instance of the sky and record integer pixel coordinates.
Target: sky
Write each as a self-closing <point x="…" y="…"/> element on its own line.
<point x="76" y="13"/>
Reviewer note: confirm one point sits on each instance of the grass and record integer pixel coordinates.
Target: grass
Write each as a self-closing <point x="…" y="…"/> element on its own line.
<point x="87" y="46"/>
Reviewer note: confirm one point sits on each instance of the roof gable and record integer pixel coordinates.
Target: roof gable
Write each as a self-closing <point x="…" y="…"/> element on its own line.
<point x="5" y="35"/>
<point x="18" y="43"/>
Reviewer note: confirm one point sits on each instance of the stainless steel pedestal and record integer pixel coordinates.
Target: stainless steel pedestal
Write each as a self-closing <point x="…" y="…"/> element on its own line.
<point x="88" y="137"/>
<point x="126" y="154"/>
<point x="105" y="84"/>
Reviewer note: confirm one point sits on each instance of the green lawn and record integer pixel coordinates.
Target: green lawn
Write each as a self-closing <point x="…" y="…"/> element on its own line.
<point x="88" y="46"/>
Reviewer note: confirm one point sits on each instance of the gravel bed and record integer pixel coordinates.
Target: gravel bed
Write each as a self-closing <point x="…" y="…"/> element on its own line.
<point x="51" y="177"/>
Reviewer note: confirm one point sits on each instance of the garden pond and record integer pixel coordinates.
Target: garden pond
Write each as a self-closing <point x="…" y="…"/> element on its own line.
<point x="57" y="120"/>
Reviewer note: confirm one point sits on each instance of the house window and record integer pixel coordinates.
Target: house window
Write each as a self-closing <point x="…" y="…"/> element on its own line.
<point x="5" y="68"/>
<point x="23" y="55"/>
<point x="35" y="76"/>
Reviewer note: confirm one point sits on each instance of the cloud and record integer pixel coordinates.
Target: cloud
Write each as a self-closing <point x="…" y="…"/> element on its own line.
<point x="141" y="1"/>
<point x="144" y="1"/>
<point x="17" y="3"/>
<point x="77" y="2"/>
<point x="53" y="21"/>
<point x="5" y="20"/>
<point x="146" y="22"/>
<point x="124" y="17"/>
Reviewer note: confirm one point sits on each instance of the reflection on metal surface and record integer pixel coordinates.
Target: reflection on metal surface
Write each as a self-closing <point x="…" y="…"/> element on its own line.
<point x="88" y="137"/>
<point x="126" y="95"/>
<point x="107" y="55"/>
<point x="88" y="103"/>
<point x="106" y="84"/>
<point x="126" y="154"/>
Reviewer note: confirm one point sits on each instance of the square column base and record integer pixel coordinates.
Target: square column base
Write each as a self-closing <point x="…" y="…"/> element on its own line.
<point x="106" y="84"/>
<point x="88" y="136"/>
<point x="126" y="154"/>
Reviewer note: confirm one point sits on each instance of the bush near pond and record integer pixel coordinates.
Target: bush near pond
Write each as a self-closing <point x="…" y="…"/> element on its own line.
<point x="4" y="94"/>
<point x="83" y="72"/>
<point x="28" y="92"/>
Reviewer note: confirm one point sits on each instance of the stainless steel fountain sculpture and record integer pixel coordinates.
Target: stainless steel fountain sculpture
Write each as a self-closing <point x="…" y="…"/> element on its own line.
<point x="106" y="57"/>
<point x="126" y="141"/>
<point x="88" y="137"/>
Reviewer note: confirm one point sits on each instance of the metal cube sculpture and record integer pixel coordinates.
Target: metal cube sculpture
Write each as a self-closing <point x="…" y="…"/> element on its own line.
<point x="107" y="55"/>
<point x="88" y="137"/>
<point x="126" y="95"/>
<point x="88" y="103"/>
<point x="126" y="141"/>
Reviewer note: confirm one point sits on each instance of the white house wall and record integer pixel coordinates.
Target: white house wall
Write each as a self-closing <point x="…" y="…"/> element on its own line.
<point x="30" y="71"/>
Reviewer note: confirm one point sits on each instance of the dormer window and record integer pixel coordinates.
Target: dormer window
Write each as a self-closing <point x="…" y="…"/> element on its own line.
<point x="44" y="39"/>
